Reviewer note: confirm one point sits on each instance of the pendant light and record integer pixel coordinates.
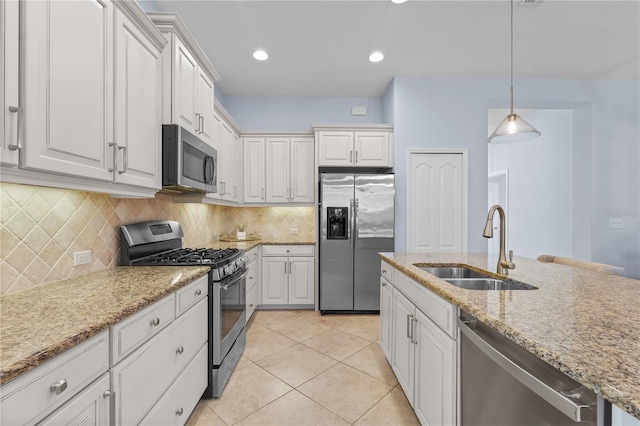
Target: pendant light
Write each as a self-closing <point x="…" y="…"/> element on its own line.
<point x="513" y="128"/>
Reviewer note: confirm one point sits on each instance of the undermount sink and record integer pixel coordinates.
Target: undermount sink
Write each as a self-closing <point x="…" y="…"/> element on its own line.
<point x="452" y="272"/>
<point x="473" y="280"/>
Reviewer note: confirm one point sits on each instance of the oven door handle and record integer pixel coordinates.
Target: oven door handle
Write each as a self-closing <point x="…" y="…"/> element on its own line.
<point x="235" y="281"/>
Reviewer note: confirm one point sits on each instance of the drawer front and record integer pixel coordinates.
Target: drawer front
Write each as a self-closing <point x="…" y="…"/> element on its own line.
<point x="287" y="250"/>
<point x="177" y="404"/>
<point x="33" y="396"/>
<point x="139" y="327"/>
<point x="141" y="379"/>
<point x="252" y="255"/>
<point x="89" y="408"/>
<point x="189" y="295"/>
<point x="253" y="274"/>
<point x="436" y="308"/>
<point x="253" y="298"/>
<point x="386" y="271"/>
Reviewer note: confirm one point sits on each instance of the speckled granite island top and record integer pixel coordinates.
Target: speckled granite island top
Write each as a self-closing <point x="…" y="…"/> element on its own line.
<point x="586" y="324"/>
<point x="40" y="323"/>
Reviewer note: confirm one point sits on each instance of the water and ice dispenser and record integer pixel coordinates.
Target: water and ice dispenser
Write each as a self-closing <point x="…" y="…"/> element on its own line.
<point x="337" y="223"/>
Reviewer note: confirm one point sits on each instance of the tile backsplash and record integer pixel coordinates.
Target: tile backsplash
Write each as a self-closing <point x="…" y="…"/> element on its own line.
<point x="41" y="228"/>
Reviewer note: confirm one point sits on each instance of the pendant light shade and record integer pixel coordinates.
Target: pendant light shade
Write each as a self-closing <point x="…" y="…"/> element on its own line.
<point x="513" y="128"/>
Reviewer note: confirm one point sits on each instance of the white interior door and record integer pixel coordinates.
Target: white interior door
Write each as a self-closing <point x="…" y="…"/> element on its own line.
<point x="437" y="202"/>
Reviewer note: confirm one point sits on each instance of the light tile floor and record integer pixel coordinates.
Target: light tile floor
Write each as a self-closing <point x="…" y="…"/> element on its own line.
<point x="301" y="368"/>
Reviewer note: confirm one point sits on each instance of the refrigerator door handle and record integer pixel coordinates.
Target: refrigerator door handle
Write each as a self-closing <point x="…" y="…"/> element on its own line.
<point x="355" y="223"/>
<point x="351" y="227"/>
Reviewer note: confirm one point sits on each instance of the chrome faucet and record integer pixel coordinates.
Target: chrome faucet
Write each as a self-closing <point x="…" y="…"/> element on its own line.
<point x="503" y="266"/>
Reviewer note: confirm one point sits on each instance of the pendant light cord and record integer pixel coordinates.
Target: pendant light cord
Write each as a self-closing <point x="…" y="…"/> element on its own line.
<point x="511" y="90"/>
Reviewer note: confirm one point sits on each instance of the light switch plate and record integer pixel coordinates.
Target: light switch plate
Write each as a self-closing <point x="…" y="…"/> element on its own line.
<point x="616" y="223"/>
<point x="293" y="231"/>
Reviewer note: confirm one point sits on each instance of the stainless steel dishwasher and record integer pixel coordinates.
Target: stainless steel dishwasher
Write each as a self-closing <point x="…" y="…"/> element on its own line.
<point x="503" y="384"/>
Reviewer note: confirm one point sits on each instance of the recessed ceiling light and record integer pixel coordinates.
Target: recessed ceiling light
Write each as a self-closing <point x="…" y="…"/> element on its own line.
<point x="376" y="57"/>
<point x="260" y="55"/>
<point x="398" y="1"/>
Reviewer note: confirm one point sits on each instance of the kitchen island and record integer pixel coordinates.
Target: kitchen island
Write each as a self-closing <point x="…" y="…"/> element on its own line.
<point x="583" y="323"/>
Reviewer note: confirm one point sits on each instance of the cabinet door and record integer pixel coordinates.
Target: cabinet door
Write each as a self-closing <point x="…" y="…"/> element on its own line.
<point x="226" y="164"/>
<point x="89" y="408"/>
<point x="68" y="87"/>
<point x="238" y="169"/>
<point x="275" y="280"/>
<point x="138" y="101"/>
<point x="205" y="106"/>
<point x="254" y="170"/>
<point x="185" y="80"/>
<point x="9" y="97"/>
<point x="386" y="292"/>
<point x="435" y="374"/>
<point x="335" y="148"/>
<point x="302" y="170"/>
<point x="403" y="356"/>
<point x="253" y="299"/>
<point x="301" y="280"/>
<point x="277" y="168"/>
<point x="372" y="149"/>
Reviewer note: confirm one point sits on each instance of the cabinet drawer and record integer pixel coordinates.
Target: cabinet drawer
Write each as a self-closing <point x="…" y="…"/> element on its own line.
<point x="436" y="308"/>
<point x="139" y="327"/>
<point x="252" y="255"/>
<point x="252" y="275"/>
<point x="189" y="295"/>
<point x="175" y="407"/>
<point x="89" y="407"/>
<point x="386" y="271"/>
<point x="141" y="379"/>
<point x="33" y="396"/>
<point x="253" y="298"/>
<point x="287" y="250"/>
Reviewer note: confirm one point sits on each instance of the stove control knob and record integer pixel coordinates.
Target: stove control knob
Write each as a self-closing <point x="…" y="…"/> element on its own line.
<point x="228" y="269"/>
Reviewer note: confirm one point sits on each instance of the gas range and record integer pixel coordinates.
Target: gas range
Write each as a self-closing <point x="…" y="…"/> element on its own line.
<point x="159" y="243"/>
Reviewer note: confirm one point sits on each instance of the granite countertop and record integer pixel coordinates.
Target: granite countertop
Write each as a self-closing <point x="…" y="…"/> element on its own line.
<point x="585" y="324"/>
<point x="248" y="245"/>
<point x="40" y="323"/>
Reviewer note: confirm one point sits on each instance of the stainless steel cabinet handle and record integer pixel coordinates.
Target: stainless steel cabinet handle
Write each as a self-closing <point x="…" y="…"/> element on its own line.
<point x="570" y="408"/>
<point x="293" y="194"/>
<point x="155" y="322"/>
<point x="414" y="321"/>
<point x="251" y="305"/>
<point x="351" y="156"/>
<point x="58" y="387"/>
<point x="409" y="317"/>
<point x="16" y="146"/>
<point x="125" y="156"/>
<point x="202" y="124"/>
<point x="108" y="393"/>
<point x="198" y="125"/>
<point x="356" y="157"/>
<point x="285" y="267"/>
<point x="198" y="292"/>
<point x="289" y="267"/>
<point x="179" y="411"/>
<point x="180" y="350"/>
<point x="115" y="156"/>
<point x="263" y="193"/>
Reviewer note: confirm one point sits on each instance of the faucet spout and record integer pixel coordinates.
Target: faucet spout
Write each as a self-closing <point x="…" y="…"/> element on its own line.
<point x="503" y="265"/>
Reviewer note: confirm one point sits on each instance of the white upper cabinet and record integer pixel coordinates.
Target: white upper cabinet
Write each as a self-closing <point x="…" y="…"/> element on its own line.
<point x="9" y="70"/>
<point x="278" y="170"/>
<point x="302" y="170"/>
<point x="88" y="116"/>
<point x="138" y="99"/>
<point x="289" y="169"/>
<point x="355" y="148"/>
<point x="68" y="87"/>
<point x="188" y="79"/>
<point x="254" y="175"/>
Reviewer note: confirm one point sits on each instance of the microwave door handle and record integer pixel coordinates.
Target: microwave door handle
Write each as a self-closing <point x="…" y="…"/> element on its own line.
<point x="209" y="169"/>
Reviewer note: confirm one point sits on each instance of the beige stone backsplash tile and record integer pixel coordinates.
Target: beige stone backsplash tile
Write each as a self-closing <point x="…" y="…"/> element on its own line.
<point x="40" y="228"/>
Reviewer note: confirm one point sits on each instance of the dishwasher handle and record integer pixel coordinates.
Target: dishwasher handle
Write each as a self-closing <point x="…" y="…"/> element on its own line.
<point x="575" y="410"/>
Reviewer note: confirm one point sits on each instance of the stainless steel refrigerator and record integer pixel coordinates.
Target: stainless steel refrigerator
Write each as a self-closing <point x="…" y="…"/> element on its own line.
<point x="356" y="222"/>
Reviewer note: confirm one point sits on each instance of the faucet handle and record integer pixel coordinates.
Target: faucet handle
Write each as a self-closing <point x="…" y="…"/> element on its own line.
<point x="511" y="265"/>
<point x="510" y="256"/>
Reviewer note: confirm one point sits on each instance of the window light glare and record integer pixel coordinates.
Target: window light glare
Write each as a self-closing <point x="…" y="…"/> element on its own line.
<point x="398" y="1"/>
<point x="260" y="55"/>
<point x="376" y="57"/>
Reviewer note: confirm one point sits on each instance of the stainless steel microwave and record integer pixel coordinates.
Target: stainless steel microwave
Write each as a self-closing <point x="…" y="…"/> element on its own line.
<point x="188" y="163"/>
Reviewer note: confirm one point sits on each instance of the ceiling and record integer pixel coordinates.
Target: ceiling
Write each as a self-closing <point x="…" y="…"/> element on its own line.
<point x="321" y="48"/>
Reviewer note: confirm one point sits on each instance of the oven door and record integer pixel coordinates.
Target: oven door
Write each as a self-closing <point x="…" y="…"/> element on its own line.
<point x="229" y="313"/>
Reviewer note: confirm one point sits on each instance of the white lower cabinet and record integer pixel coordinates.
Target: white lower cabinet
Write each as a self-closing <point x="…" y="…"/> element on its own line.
<point x="253" y="280"/>
<point x="91" y="407"/>
<point x="288" y="275"/>
<point x="421" y="352"/>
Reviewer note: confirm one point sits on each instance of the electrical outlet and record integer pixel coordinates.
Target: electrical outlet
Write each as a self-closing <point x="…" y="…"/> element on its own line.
<point x="81" y="257"/>
<point x="615" y="223"/>
<point x="293" y="231"/>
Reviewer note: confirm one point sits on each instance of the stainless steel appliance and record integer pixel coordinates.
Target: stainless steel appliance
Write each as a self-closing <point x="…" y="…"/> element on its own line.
<point x="356" y="222"/>
<point x="503" y="384"/>
<point x="160" y="243"/>
<point x="188" y="163"/>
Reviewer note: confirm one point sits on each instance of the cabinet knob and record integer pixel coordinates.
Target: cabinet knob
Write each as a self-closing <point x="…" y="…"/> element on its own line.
<point x="198" y="292"/>
<point x="58" y="387"/>
<point x="287" y="251"/>
<point x="384" y="284"/>
<point x="108" y="393"/>
<point x="251" y="305"/>
<point x="180" y="350"/>
<point x="250" y="278"/>
<point x="155" y="322"/>
<point x="179" y="411"/>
